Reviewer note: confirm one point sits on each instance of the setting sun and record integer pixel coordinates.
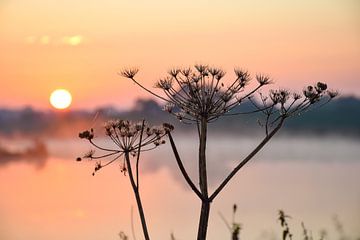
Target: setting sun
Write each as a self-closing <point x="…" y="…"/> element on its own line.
<point x="60" y="98"/>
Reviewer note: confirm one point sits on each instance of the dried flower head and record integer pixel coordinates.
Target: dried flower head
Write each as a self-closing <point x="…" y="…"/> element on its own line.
<point x="200" y="93"/>
<point x="263" y="79"/>
<point x="284" y="104"/>
<point x="169" y="107"/>
<point x="332" y="93"/>
<point x="279" y="96"/>
<point x="89" y="154"/>
<point x="174" y="72"/>
<point x="127" y="138"/>
<point x="165" y="83"/>
<point x="87" y="134"/>
<point x="129" y="73"/>
<point x="315" y="93"/>
<point x="296" y="96"/>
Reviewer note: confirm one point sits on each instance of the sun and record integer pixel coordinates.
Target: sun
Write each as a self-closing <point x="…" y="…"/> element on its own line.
<point x="60" y="98"/>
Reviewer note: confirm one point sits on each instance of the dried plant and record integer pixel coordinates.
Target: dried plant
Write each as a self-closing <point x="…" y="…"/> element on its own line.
<point x="123" y="236"/>
<point x="129" y="139"/>
<point x="200" y="96"/>
<point x="306" y="234"/>
<point x="339" y="228"/>
<point x="284" y="224"/>
<point x="235" y="227"/>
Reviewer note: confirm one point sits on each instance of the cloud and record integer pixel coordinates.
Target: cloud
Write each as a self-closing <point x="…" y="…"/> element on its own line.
<point x="73" y="40"/>
<point x="45" y="40"/>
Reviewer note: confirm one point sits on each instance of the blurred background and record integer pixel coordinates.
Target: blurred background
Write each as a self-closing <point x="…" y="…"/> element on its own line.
<point x="310" y="170"/>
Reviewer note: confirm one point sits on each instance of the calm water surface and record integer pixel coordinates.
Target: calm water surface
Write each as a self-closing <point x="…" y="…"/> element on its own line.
<point x="312" y="179"/>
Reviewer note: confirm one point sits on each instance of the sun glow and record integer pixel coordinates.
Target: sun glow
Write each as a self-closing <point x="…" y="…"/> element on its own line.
<point x="60" y="99"/>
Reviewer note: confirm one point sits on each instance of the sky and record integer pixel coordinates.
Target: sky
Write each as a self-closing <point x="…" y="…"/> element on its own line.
<point x="82" y="45"/>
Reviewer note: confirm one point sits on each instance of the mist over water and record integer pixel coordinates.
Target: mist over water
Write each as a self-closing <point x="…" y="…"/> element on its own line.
<point x="311" y="178"/>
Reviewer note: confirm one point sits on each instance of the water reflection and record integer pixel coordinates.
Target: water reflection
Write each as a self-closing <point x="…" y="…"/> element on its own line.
<point x="36" y="154"/>
<point x="311" y="179"/>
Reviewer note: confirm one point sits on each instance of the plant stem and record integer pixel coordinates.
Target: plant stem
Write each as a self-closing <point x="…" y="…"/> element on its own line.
<point x="202" y="158"/>
<point x="204" y="219"/>
<point x="182" y="168"/>
<point x="247" y="159"/>
<point x="205" y="204"/>
<point x="137" y="197"/>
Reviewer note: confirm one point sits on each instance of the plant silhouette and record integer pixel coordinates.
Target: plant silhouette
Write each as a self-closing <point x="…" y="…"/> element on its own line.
<point x="129" y="139"/>
<point x="199" y="96"/>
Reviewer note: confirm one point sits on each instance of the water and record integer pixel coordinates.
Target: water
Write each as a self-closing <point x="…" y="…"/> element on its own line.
<point x="312" y="179"/>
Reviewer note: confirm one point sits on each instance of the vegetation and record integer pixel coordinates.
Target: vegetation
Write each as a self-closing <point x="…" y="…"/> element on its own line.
<point x="341" y="117"/>
<point x="284" y="220"/>
<point x="199" y="96"/>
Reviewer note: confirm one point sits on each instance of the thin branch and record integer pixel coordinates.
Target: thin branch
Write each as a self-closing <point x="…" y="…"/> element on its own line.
<point x="226" y="222"/>
<point x="152" y="93"/>
<point x="105" y="155"/>
<point x="183" y="170"/>
<point x="137" y="197"/>
<point x="138" y="155"/>
<point x="267" y="124"/>
<point x="247" y="159"/>
<point x="101" y="148"/>
<point x="111" y="161"/>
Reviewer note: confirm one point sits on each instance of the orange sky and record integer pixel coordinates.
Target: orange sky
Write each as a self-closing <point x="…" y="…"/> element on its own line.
<point x="81" y="45"/>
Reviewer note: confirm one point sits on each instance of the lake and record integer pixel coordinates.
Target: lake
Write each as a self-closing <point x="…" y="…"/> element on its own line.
<point x="312" y="179"/>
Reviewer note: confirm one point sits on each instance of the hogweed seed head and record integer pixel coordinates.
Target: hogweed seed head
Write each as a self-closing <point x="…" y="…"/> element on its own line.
<point x="168" y="127"/>
<point x="165" y="83"/>
<point x="127" y="138"/>
<point x="263" y="79"/>
<point x="279" y="96"/>
<point x="296" y="96"/>
<point x="174" y="72"/>
<point x="243" y="75"/>
<point x="186" y="71"/>
<point x="321" y="86"/>
<point x="315" y="93"/>
<point x="129" y="73"/>
<point x="200" y="93"/>
<point x="87" y="134"/>
<point x="201" y="68"/>
<point x="169" y="107"/>
<point x="332" y="93"/>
